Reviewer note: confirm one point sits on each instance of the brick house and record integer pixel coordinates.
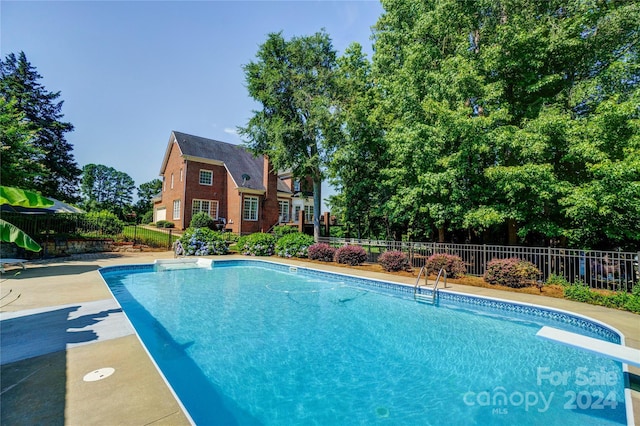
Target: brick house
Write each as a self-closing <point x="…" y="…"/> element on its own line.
<point x="237" y="189"/>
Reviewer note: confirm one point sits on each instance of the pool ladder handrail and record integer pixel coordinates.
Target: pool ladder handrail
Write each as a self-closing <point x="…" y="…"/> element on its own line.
<point x="434" y="289"/>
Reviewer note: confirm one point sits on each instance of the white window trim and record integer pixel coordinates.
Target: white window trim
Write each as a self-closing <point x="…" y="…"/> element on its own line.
<point x="308" y="214"/>
<point x="210" y="172"/>
<point x="284" y="217"/>
<point x="176" y="203"/>
<point x="211" y="204"/>
<point x="253" y="201"/>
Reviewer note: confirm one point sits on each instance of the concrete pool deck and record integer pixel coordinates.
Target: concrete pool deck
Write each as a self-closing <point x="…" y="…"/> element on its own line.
<point x="65" y="324"/>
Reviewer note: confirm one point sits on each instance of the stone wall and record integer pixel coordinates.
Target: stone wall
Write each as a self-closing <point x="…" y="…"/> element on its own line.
<point x="66" y="247"/>
<point x="55" y="248"/>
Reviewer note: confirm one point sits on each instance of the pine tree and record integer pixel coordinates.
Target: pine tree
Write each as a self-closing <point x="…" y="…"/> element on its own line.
<point x="41" y="110"/>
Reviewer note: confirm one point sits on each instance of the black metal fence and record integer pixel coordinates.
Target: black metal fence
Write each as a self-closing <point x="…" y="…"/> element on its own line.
<point x="61" y="228"/>
<point x="596" y="268"/>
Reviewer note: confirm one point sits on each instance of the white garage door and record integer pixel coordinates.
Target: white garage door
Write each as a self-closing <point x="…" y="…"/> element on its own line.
<point x="161" y="214"/>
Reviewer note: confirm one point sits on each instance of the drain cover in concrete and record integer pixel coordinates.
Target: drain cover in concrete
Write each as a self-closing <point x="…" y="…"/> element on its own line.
<point x="99" y="374"/>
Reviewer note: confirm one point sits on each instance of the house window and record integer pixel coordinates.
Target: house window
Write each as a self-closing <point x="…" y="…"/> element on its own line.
<point x="308" y="214"/>
<point x="171" y="180"/>
<point x="209" y="207"/>
<point x="176" y="209"/>
<point x="296" y="186"/>
<point x="296" y="214"/>
<point x="206" y="177"/>
<point x="250" y="210"/>
<point x="284" y="211"/>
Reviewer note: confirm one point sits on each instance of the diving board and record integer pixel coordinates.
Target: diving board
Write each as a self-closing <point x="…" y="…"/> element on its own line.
<point x="620" y="353"/>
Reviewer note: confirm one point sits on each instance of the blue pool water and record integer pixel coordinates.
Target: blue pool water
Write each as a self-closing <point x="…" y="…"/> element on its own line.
<point x="252" y="343"/>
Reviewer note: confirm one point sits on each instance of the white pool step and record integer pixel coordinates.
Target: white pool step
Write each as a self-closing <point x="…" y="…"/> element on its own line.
<point x="620" y="353"/>
<point x="182" y="263"/>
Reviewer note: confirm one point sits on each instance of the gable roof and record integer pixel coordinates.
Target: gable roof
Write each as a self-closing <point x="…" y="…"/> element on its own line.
<point x="237" y="160"/>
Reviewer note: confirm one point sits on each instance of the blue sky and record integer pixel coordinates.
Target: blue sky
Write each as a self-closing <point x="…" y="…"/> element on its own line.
<point x="130" y="72"/>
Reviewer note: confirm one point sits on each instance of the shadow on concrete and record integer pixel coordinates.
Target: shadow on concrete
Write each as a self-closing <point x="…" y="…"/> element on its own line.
<point x="46" y="332"/>
<point x="43" y="271"/>
<point x="34" y="363"/>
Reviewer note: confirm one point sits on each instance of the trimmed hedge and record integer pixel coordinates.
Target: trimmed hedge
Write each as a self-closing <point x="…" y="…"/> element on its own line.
<point x="203" y="242"/>
<point x="350" y="255"/>
<point x="257" y="244"/>
<point x="165" y="224"/>
<point x="294" y="245"/>
<point x="322" y="252"/>
<point x="454" y="265"/>
<point x="511" y="272"/>
<point x="394" y="260"/>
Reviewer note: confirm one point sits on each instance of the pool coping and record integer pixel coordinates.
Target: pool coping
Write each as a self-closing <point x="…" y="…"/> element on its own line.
<point x="486" y="301"/>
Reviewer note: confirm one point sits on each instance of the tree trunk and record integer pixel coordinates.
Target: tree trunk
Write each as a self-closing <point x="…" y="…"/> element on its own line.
<point x="441" y="234"/>
<point x="512" y="229"/>
<point x="317" y="198"/>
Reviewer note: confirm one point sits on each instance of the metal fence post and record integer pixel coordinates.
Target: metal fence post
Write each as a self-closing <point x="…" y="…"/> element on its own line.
<point x="483" y="266"/>
<point x="549" y="269"/>
<point x="169" y="241"/>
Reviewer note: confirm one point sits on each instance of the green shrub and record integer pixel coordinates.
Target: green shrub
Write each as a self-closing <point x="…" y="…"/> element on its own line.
<point x="511" y="272"/>
<point x="107" y="222"/>
<point x="258" y="244"/>
<point x="294" y="245"/>
<point x="147" y="217"/>
<point x="201" y="220"/>
<point x="581" y="292"/>
<point x="350" y="255"/>
<point x="394" y="260"/>
<point x="203" y="242"/>
<point x="165" y="224"/>
<point x="453" y="265"/>
<point x="322" y="252"/>
<point x="282" y="230"/>
<point x="557" y="280"/>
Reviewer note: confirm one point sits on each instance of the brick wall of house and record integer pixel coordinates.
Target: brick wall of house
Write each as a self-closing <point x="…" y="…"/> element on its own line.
<point x="251" y="226"/>
<point x="214" y="192"/>
<point x="169" y="194"/>
<point x="233" y="203"/>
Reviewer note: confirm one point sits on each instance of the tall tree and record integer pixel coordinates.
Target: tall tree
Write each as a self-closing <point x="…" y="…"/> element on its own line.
<point x="41" y="109"/>
<point x="355" y="166"/>
<point x="105" y="188"/>
<point x="146" y="192"/>
<point x="295" y="83"/>
<point x="512" y="114"/>
<point x="19" y="165"/>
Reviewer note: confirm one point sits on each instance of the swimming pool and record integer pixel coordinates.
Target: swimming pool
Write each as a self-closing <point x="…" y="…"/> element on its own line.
<point x="254" y="342"/>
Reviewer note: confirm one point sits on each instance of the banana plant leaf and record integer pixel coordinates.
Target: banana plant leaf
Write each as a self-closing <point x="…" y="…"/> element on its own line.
<point x="12" y="234"/>
<point x="19" y="197"/>
<point x="22" y="198"/>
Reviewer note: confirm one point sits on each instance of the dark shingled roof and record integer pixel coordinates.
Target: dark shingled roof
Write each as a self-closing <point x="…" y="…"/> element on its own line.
<point x="236" y="158"/>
